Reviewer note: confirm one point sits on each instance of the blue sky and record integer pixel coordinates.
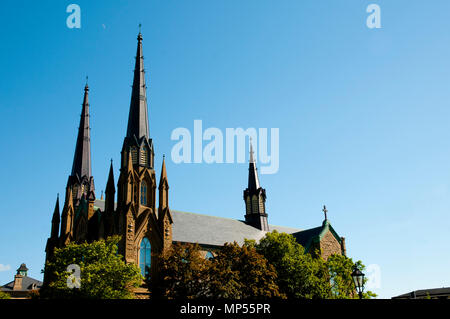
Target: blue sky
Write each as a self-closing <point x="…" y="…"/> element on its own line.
<point x="363" y="116"/>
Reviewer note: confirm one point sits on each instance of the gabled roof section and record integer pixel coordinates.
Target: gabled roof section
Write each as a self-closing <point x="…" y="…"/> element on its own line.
<point x="28" y="283"/>
<point x="309" y="236"/>
<point x="216" y="231"/>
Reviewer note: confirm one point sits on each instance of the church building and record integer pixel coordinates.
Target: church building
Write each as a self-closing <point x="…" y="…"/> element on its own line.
<point x="129" y="209"/>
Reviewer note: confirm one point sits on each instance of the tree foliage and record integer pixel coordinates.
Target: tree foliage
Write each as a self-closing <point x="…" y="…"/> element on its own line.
<point x="4" y="295"/>
<point x="241" y="272"/>
<point x="305" y="275"/>
<point x="104" y="273"/>
<point x="182" y="273"/>
<point x="299" y="274"/>
<point x="235" y="272"/>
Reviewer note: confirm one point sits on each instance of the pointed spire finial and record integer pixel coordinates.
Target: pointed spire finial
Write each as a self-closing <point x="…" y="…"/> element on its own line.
<point x="140" y="34"/>
<point x="163" y="171"/>
<point x="55" y="219"/>
<point x="253" y="180"/>
<point x="110" y="188"/>
<point x="252" y="160"/>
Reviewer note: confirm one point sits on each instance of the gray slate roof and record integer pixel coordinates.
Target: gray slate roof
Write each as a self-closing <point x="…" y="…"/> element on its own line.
<point x="215" y="231"/>
<point x="27" y="283"/>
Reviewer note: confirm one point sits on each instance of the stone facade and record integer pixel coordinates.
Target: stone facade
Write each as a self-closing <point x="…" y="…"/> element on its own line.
<point x="145" y="229"/>
<point x="329" y="245"/>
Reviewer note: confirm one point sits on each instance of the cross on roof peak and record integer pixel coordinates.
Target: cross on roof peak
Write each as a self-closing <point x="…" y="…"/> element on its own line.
<point x="325" y="210"/>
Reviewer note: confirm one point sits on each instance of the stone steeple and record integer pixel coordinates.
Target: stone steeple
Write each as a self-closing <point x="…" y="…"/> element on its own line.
<point x="80" y="179"/>
<point x="138" y="117"/>
<point x="255" y="198"/>
<point x="137" y="140"/>
<point x="82" y="158"/>
<point x="136" y="187"/>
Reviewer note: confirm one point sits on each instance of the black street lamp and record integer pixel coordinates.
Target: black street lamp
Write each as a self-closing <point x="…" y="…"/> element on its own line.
<point x="358" y="279"/>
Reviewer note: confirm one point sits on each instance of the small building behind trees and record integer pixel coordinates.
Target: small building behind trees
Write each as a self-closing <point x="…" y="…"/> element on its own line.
<point x="22" y="285"/>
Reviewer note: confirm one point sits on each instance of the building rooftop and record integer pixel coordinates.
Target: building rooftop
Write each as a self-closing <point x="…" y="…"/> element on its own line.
<point x="424" y="293"/>
<point x="216" y="231"/>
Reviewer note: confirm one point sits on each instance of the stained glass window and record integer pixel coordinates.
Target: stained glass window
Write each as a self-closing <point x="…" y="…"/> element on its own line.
<point x="145" y="257"/>
<point x="143" y="193"/>
<point x="209" y="255"/>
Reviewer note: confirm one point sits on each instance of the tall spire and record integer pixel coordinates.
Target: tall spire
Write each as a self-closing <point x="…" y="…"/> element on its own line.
<point x="110" y="192"/>
<point x="110" y="183"/>
<point x="255" y="198"/>
<point x="82" y="158"/>
<point x="138" y="117"/>
<point x="163" y="177"/>
<point x="253" y="180"/>
<point x="55" y="220"/>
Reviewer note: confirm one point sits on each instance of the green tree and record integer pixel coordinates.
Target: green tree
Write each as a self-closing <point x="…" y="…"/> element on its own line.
<point x="104" y="273"/>
<point x="182" y="273"/>
<point x="305" y="275"/>
<point x="235" y="272"/>
<point x="4" y="295"/>
<point x="340" y="269"/>
<point x="299" y="274"/>
<point x="241" y="272"/>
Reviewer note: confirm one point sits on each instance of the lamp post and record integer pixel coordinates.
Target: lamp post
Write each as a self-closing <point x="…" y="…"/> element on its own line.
<point x="358" y="279"/>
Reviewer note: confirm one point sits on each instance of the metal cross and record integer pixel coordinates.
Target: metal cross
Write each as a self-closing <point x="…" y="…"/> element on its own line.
<point x="325" y="211"/>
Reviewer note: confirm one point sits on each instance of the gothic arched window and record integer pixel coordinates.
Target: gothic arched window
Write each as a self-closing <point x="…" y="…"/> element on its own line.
<point x="134" y="155"/>
<point x="145" y="257"/>
<point x="248" y="208"/>
<point x="255" y="204"/>
<point x="143" y="193"/>
<point x="209" y="255"/>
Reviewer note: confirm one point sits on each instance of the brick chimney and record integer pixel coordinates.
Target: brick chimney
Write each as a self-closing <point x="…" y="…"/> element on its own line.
<point x="17" y="282"/>
<point x="344" y="249"/>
